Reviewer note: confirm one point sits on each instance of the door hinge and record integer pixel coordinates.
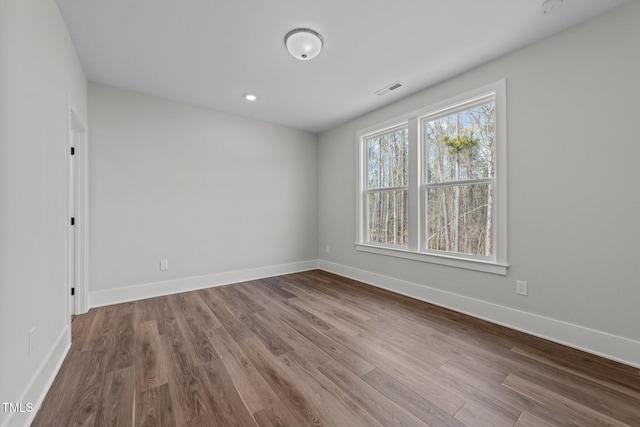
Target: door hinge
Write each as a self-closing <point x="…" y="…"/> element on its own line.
<point x="73" y="291"/>
<point x="73" y="221"/>
<point x="73" y="151"/>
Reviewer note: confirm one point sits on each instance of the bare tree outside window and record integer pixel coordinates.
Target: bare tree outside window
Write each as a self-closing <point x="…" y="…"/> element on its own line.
<point x="460" y="152"/>
<point x="387" y="187"/>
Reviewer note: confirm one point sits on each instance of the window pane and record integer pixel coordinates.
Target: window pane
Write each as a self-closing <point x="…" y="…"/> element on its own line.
<point x="460" y="219"/>
<point x="461" y="146"/>
<point x="387" y="157"/>
<point x="388" y="217"/>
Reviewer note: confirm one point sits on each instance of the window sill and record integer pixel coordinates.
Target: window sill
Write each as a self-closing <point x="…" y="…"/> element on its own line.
<point x="468" y="264"/>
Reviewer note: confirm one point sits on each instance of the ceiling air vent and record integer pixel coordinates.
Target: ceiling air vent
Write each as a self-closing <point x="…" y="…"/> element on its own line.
<point x="387" y="89"/>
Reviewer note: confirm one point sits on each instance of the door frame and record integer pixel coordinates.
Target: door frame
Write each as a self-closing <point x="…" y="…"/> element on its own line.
<point x="78" y="184"/>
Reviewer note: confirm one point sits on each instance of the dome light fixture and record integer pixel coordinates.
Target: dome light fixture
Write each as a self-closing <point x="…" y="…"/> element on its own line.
<point x="303" y="43"/>
<point x="250" y="97"/>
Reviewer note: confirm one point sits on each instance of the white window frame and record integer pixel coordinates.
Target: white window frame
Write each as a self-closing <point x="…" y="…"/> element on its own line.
<point x="416" y="249"/>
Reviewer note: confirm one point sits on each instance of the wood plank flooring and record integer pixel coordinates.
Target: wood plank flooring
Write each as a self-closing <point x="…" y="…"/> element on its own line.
<point x="317" y="349"/>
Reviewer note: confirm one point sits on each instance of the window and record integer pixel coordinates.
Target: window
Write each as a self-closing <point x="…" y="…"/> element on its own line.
<point x="460" y="176"/>
<point x="433" y="183"/>
<point x="387" y="178"/>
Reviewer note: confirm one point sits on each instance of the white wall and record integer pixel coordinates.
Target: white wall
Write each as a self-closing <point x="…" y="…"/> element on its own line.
<point x="212" y="193"/>
<point x="573" y="206"/>
<point x="38" y="71"/>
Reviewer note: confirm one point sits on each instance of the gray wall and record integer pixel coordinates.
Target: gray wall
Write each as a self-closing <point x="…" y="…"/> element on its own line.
<point x="209" y="192"/>
<point x="573" y="206"/>
<point x="39" y="71"/>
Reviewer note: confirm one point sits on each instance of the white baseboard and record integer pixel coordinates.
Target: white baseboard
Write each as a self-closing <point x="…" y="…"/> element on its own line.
<point x="600" y="343"/>
<point x="41" y="381"/>
<point x="156" y="289"/>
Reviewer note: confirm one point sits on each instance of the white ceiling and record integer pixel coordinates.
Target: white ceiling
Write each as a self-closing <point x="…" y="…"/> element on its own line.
<point x="210" y="52"/>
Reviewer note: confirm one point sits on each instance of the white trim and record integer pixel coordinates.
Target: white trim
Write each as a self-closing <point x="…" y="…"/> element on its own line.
<point x="156" y="289"/>
<point x="41" y="381"/>
<point x="448" y="260"/>
<point x="501" y="177"/>
<point x="613" y="347"/>
<point x="75" y="123"/>
<point x="414" y="199"/>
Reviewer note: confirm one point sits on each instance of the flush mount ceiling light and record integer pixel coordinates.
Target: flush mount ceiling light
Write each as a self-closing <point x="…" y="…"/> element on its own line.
<point x="249" y="97"/>
<point x="303" y="44"/>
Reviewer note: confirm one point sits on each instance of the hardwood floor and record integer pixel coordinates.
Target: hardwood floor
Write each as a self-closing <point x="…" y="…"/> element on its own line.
<point x="317" y="349"/>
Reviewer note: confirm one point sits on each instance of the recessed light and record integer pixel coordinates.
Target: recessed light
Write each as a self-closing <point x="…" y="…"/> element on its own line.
<point x="250" y="97"/>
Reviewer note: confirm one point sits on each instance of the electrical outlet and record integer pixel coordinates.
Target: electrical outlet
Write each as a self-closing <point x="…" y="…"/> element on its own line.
<point x="32" y="335"/>
<point x="327" y="249"/>
<point x="164" y="264"/>
<point x="521" y="287"/>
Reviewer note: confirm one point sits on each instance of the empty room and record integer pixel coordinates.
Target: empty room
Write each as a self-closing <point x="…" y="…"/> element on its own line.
<point x="291" y="213"/>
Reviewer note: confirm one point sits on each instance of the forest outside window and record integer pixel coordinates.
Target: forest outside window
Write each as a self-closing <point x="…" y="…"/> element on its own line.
<point x="433" y="183"/>
<point x="387" y="186"/>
